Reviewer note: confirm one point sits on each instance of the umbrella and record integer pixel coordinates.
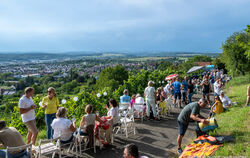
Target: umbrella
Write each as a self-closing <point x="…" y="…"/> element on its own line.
<point x="171" y="76"/>
<point x="195" y="68"/>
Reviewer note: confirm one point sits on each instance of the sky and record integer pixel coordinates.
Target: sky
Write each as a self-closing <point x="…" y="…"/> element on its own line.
<point x="120" y="25"/>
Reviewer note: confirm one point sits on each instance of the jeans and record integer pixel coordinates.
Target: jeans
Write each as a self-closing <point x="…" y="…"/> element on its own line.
<point x="48" y="119"/>
<point x="184" y="94"/>
<point x="190" y="97"/>
<point x="22" y="154"/>
<point x="150" y="103"/>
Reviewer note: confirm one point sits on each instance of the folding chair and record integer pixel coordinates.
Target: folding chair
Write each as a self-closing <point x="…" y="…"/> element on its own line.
<point x="139" y="108"/>
<point x="20" y="148"/>
<point x="123" y="109"/>
<point x="47" y="147"/>
<point x="86" y="140"/>
<point x="169" y="106"/>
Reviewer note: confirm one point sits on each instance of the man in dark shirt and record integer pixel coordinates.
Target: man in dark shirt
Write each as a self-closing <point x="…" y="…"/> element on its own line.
<point x="190" y="112"/>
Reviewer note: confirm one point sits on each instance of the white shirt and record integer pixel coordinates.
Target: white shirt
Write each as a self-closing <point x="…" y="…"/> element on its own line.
<point x="25" y="103"/>
<point x="114" y="112"/>
<point x="225" y="101"/>
<point x="139" y="100"/>
<point x="217" y="89"/>
<point x="61" y="128"/>
<point x="150" y="93"/>
<point x="167" y="88"/>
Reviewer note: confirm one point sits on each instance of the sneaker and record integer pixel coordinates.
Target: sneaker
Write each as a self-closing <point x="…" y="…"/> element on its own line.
<point x="179" y="151"/>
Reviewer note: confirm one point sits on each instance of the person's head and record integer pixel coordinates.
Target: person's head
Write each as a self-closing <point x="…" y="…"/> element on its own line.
<point x="217" y="98"/>
<point x="158" y="90"/>
<point x="51" y="91"/>
<point x="150" y="83"/>
<point x="89" y="109"/>
<point x="125" y="91"/>
<point x="222" y="94"/>
<point x="186" y="78"/>
<point x="138" y="95"/>
<point x="133" y="96"/>
<point x="29" y="91"/>
<point x="131" y="151"/>
<point x="61" y="112"/>
<point x="112" y="102"/>
<point x="202" y="102"/>
<point x="2" y="124"/>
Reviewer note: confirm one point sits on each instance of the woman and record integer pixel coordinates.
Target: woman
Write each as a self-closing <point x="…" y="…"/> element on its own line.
<point x="63" y="127"/>
<point x="132" y="100"/>
<point x="226" y="102"/>
<point x="88" y="119"/>
<point x="206" y="88"/>
<point x="217" y="108"/>
<point x="113" y="117"/>
<point x="50" y="103"/>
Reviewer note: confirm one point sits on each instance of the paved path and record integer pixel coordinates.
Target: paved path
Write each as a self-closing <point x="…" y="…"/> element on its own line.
<point x="155" y="139"/>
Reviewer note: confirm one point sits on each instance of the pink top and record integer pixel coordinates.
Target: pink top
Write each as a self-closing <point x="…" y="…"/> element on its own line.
<point x="132" y="102"/>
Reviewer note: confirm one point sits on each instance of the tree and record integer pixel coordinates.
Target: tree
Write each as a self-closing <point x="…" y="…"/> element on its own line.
<point x="112" y="77"/>
<point x="235" y="53"/>
<point x="217" y="62"/>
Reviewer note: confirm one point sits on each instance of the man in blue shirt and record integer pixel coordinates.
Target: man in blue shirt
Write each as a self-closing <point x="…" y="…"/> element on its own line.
<point x="177" y="91"/>
<point x="125" y="98"/>
<point x="184" y="89"/>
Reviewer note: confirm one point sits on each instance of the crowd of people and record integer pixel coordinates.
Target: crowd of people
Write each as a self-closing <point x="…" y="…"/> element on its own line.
<point x="58" y="125"/>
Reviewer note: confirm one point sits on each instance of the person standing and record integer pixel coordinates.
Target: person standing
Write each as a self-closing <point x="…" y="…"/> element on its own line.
<point x="185" y="89"/>
<point x="50" y="103"/>
<point x="206" y="88"/>
<point x="177" y="92"/>
<point x="190" y="91"/>
<point x="190" y="112"/>
<point x="27" y="111"/>
<point x="150" y="95"/>
<point x="217" y="87"/>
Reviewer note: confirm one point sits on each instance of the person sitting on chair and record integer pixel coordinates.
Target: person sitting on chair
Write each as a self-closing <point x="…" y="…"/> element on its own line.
<point x="63" y="127"/>
<point x="10" y="137"/>
<point x="125" y="98"/>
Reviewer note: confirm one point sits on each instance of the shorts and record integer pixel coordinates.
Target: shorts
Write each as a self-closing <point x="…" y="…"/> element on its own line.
<point x="177" y="95"/>
<point x="182" y="128"/>
<point x="205" y="93"/>
<point x="31" y="125"/>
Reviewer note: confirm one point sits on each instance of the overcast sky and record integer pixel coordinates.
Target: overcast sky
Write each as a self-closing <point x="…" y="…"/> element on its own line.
<point x="120" y="25"/>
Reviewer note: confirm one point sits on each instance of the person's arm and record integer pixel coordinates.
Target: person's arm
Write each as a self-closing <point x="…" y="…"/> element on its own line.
<point x="73" y="126"/>
<point x="25" y="110"/>
<point x="98" y="119"/>
<point x="82" y="121"/>
<point x="106" y="107"/>
<point x="198" y="119"/>
<point x="213" y="107"/>
<point x="43" y="104"/>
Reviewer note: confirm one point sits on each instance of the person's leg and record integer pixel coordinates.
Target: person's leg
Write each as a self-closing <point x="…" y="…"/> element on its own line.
<point x="182" y="130"/>
<point x="34" y="131"/>
<point x="148" y="108"/>
<point x="179" y="141"/>
<point x="52" y="131"/>
<point x="175" y="97"/>
<point x="152" y="103"/>
<point x="208" y="98"/>
<point x="47" y="121"/>
<point x="248" y="101"/>
<point x="179" y="99"/>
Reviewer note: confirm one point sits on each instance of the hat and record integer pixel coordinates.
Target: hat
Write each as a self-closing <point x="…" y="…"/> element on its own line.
<point x="221" y="92"/>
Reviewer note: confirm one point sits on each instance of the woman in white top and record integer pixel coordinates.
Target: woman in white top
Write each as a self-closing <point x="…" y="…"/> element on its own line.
<point x="226" y="102"/>
<point x="63" y="127"/>
<point x="113" y="117"/>
<point x="88" y="119"/>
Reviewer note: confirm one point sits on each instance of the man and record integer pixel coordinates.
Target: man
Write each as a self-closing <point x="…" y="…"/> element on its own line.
<point x="150" y="95"/>
<point x="27" y="110"/>
<point x="184" y="89"/>
<point x="177" y="91"/>
<point x="125" y="98"/>
<point x="190" y="112"/>
<point x="217" y="87"/>
<point x="131" y="151"/>
<point x="10" y="137"/>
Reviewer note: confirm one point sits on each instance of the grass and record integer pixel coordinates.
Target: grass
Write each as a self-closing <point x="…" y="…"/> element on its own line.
<point x="235" y="121"/>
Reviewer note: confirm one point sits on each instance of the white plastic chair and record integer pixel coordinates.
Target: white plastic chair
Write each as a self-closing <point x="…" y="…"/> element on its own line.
<point x="127" y="122"/>
<point x="47" y="147"/>
<point x="139" y="108"/>
<point x="84" y="140"/>
<point x="19" y="148"/>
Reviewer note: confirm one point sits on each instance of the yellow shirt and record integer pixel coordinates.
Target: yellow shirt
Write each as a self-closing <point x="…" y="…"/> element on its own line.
<point x="52" y="104"/>
<point x="218" y="107"/>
